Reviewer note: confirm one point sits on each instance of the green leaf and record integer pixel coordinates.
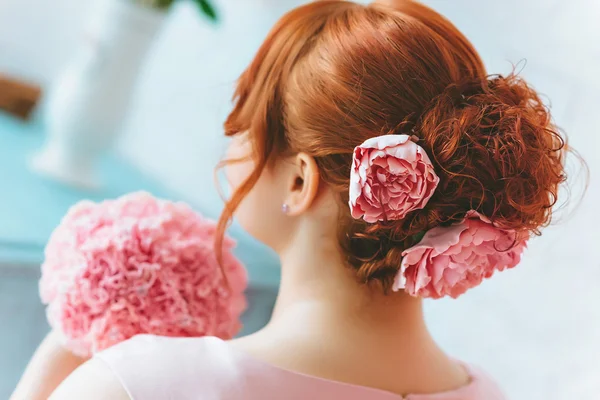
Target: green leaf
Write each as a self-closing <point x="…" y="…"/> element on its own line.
<point x="207" y="9"/>
<point x="163" y="4"/>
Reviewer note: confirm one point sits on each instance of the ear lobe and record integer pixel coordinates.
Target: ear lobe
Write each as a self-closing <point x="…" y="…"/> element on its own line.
<point x="305" y="184"/>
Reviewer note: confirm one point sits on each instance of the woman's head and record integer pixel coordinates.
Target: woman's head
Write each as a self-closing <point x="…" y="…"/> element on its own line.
<point x="332" y="74"/>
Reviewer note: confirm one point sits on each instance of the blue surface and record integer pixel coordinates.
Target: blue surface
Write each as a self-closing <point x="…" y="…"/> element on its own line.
<point x="31" y="206"/>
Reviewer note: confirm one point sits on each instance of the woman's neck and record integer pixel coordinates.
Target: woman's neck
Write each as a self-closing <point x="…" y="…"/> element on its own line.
<point x="318" y="292"/>
<point x="328" y="325"/>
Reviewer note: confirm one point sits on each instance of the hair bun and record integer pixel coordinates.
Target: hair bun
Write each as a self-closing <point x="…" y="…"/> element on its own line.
<point x="496" y="151"/>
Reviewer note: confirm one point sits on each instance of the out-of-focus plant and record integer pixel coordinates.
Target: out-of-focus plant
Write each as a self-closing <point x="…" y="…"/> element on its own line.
<point x="205" y="6"/>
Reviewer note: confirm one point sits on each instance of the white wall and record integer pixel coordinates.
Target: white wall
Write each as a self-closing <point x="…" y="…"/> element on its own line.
<point x="38" y="36"/>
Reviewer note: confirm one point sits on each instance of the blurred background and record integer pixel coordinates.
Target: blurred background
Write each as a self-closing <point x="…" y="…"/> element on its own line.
<point x="162" y="80"/>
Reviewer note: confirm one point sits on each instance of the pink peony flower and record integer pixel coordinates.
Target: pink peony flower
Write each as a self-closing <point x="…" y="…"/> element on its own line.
<point x="138" y="265"/>
<point x="450" y="260"/>
<point x="391" y="176"/>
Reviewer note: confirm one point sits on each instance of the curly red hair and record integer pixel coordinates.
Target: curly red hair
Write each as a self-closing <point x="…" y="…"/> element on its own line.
<point x="332" y="74"/>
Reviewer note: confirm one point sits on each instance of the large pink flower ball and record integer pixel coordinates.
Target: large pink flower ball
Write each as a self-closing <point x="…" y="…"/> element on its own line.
<point x="138" y="265"/>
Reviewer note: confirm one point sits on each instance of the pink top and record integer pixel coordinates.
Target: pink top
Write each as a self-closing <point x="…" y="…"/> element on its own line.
<point x="152" y="367"/>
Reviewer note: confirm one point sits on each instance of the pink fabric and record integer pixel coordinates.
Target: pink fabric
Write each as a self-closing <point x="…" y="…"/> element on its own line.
<point x="450" y="260"/>
<point x="156" y="368"/>
<point x="391" y="176"/>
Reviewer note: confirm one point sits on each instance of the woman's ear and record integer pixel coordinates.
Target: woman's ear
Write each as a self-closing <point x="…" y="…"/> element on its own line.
<point x="303" y="184"/>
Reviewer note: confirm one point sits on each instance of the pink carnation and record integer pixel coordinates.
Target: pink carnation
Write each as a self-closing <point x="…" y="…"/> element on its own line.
<point x="138" y="265"/>
<point x="450" y="260"/>
<point x="391" y="176"/>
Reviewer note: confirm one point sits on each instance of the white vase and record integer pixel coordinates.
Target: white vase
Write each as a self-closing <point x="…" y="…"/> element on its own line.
<point x="85" y="108"/>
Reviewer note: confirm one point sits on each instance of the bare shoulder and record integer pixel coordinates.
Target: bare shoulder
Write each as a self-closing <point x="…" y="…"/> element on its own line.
<point x="92" y="381"/>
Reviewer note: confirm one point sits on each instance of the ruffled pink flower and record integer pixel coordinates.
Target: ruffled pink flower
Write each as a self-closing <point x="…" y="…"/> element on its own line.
<point x="138" y="265"/>
<point x="391" y="176"/>
<point x="450" y="260"/>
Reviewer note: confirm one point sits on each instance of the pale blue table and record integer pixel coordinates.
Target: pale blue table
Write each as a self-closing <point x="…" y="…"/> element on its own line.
<point x="31" y="206"/>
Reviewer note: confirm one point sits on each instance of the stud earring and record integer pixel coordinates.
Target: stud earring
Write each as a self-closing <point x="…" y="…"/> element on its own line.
<point x="285" y="208"/>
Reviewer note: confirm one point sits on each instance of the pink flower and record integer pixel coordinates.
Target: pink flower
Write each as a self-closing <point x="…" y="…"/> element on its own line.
<point x="391" y="176"/>
<point x="450" y="260"/>
<point x="138" y="265"/>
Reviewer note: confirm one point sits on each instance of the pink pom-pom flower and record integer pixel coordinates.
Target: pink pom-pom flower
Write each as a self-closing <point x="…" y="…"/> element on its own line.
<point x="450" y="260"/>
<point x="135" y="265"/>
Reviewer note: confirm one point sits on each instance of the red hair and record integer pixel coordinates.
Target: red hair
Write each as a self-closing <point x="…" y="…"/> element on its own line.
<point x="332" y="74"/>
